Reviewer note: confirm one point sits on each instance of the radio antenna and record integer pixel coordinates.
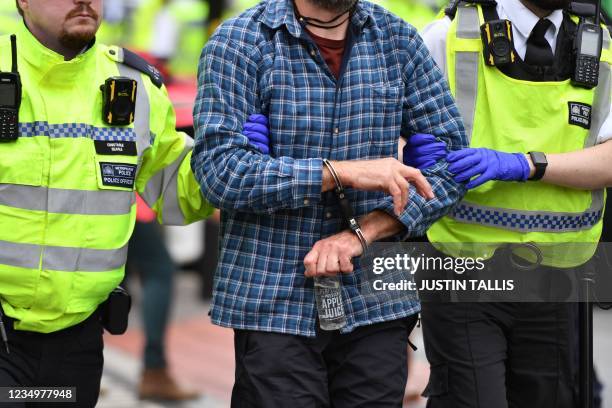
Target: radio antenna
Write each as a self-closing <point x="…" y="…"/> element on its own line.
<point x="14" y="52"/>
<point x="598" y="13"/>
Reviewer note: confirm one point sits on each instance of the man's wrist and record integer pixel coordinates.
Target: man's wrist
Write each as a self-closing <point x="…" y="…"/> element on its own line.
<point x="342" y="172"/>
<point x="328" y="180"/>
<point x="532" y="168"/>
<point x="355" y="241"/>
<point x="378" y="225"/>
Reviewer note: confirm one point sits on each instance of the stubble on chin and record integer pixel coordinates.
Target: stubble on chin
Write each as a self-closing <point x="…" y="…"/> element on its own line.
<point x="77" y="39"/>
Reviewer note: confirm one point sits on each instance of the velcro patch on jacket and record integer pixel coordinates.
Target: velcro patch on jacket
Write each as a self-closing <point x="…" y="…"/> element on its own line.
<point x="580" y="114"/>
<point x="118" y="148"/>
<point x="118" y="174"/>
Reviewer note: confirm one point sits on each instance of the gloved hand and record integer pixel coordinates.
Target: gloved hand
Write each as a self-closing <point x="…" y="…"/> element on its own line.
<point x="256" y="129"/>
<point x="422" y="151"/>
<point x="488" y="165"/>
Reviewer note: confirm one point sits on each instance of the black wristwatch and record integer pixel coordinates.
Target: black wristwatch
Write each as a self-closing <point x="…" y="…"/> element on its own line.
<point x="540" y="163"/>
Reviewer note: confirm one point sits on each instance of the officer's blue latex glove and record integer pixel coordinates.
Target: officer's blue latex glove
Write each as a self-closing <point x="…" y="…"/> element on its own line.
<point x="422" y="151"/>
<point x="256" y="129"/>
<point x="488" y="165"/>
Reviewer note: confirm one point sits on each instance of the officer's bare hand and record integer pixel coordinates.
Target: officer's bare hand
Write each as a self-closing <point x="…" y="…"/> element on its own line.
<point x="388" y="175"/>
<point x="333" y="255"/>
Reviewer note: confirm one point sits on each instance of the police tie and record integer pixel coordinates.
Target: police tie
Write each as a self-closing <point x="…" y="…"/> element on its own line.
<point x="539" y="52"/>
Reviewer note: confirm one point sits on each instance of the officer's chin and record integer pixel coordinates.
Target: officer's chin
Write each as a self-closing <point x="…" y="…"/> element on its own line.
<point x="79" y="37"/>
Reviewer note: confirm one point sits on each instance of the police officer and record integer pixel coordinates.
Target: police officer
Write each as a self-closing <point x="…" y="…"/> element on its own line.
<point x="191" y="17"/>
<point x="515" y="354"/>
<point x="68" y="184"/>
<point x="416" y="12"/>
<point x="116" y="22"/>
<point x="177" y="35"/>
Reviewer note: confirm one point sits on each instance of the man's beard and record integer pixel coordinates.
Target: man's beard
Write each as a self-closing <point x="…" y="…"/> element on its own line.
<point x="336" y="6"/>
<point x="76" y="41"/>
<point x="80" y="39"/>
<point x="550" y="5"/>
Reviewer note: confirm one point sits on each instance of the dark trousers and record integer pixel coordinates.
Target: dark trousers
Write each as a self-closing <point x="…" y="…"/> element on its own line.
<point x="501" y="355"/>
<point x="147" y="254"/>
<point x="67" y="358"/>
<point x="365" y="368"/>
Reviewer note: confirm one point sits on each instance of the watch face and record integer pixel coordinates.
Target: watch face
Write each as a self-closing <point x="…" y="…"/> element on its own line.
<point x="538" y="158"/>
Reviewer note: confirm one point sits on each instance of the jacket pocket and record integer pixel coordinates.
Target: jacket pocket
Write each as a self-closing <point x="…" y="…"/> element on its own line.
<point x="21" y="162"/>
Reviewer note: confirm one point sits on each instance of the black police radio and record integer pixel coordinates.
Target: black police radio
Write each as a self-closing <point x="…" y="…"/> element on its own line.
<point x="587" y="45"/>
<point x="10" y="98"/>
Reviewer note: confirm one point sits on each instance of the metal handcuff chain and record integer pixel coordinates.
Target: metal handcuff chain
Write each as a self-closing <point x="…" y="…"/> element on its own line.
<point x="345" y="206"/>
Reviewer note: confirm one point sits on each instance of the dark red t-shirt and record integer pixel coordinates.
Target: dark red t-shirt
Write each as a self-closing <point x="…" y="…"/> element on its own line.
<point x="332" y="51"/>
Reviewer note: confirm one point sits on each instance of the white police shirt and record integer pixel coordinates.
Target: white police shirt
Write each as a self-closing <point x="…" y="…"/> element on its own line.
<point x="523" y="21"/>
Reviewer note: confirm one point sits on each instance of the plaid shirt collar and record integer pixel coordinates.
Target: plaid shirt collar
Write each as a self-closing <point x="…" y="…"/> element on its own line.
<point x="281" y="12"/>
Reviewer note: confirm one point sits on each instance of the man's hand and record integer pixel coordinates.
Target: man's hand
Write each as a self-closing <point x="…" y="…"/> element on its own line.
<point x="388" y="175"/>
<point x="333" y="255"/>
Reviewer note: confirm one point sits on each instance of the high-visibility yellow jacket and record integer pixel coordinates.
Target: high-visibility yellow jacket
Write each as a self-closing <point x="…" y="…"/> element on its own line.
<point x="513" y="115"/>
<point x="67" y="185"/>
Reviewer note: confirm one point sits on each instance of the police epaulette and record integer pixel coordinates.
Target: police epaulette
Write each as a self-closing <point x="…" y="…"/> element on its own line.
<point x="451" y="10"/>
<point x="137" y="62"/>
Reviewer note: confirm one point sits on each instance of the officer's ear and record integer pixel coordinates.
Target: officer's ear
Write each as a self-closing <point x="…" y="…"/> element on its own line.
<point x="21" y="4"/>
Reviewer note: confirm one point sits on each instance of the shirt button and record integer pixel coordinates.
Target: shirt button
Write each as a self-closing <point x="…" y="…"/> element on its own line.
<point x="313" y="52"/>
<point x="336" y="131"/>
<point x="306" y="202"/>
<point x="328" y="215"/>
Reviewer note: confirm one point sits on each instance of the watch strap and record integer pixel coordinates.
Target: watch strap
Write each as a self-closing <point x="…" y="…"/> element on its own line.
<point x="540" y="163"/>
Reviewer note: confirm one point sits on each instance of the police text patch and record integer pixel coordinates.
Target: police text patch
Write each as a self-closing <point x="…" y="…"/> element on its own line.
<point x="115" y="148"/>
<point x="580" y="114"/>
<point x="118" y="174"/>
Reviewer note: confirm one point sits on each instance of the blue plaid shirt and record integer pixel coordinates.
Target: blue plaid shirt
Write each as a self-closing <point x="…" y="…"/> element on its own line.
<point x="273" y="211"/>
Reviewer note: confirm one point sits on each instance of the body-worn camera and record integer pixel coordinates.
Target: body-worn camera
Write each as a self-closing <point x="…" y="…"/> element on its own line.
<point x="498" y="43"/>
<point x="119" y="95"/>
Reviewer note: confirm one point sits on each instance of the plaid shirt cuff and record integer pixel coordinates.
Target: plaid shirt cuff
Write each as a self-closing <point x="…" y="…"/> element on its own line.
<point x="409" y="217"/>
<point x="307" y="182"/>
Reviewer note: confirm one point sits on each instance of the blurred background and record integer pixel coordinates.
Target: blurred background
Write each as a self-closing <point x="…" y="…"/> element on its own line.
<point x="172" y="356"/>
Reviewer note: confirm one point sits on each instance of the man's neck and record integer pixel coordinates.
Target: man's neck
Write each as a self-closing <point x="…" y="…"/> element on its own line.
<point x="540" y="12"/>
<point x="51" y="42"/>
<point x="307" y="9"/>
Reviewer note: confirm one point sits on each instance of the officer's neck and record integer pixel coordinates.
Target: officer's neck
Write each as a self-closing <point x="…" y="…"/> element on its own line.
<point x="52" y="42"/>
<point x="307" y="9"/>
<point x="540" y="12"/>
